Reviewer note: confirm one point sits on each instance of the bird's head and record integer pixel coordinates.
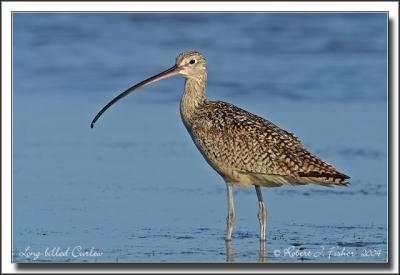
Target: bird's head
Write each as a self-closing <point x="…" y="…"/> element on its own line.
<point x="190" y="65"/>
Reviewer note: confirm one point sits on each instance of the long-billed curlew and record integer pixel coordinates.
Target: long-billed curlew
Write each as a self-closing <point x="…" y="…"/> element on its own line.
<point x="243" y="148"/>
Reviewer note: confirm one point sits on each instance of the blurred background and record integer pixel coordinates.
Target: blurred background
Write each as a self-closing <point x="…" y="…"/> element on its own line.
<point x="136" y="188"/>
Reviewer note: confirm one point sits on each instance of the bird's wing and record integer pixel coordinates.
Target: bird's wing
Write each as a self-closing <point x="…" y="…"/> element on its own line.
<point x="249" y="143"/>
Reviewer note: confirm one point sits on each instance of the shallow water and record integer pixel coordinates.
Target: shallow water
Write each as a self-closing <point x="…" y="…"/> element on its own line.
<point x="135" y="189"/>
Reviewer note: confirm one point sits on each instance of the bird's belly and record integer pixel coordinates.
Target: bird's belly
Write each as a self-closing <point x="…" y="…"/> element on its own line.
<point x="228" y="173"/>
<point x="232" y="175"/>
<point x="220" y="163"/>
<point x="212" y="154"/>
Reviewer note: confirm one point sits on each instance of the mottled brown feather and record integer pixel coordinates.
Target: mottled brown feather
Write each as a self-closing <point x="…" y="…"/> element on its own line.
<point x="247" y="149"/>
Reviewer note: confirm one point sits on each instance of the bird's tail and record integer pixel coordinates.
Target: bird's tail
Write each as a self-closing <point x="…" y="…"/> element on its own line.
<point x="325" y="179"/>
<point x="302" y="178"/>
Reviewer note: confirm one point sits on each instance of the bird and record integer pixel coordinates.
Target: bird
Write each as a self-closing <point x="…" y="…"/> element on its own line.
<point x="246" y="150"/>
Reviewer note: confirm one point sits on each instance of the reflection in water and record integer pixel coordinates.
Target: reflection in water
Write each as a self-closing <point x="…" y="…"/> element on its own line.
<point x="230" y="257"/>
<point x="261" y="253"/>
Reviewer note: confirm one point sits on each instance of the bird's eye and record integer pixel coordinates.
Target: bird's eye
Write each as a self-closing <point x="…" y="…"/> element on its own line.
<point x="192" y="61"/>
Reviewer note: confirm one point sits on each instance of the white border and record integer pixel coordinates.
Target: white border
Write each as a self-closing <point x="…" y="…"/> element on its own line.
<point x="8" y="7"/>
<point x="201" y="6"/>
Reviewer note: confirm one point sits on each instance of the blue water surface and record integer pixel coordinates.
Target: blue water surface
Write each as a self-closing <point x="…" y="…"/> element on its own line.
<point x="135" y="188"/>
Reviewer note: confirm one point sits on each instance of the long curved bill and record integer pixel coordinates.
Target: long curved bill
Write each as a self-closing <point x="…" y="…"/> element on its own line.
<point x="165" y="74"/>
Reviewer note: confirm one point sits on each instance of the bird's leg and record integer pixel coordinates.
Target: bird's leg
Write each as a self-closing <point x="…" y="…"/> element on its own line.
<point x="262" y="213"/>
<point x="230" y="219"/>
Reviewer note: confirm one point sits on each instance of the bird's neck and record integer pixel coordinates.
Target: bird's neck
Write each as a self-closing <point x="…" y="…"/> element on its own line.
<point x="193" y="97"/>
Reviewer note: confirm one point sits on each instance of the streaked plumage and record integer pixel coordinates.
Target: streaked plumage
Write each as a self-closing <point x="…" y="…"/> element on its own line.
<point x="246" y="149"/>
<point x="243" y="148"/>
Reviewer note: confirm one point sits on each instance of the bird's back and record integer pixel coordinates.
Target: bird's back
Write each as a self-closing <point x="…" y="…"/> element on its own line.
<point x="246" y="149"/>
